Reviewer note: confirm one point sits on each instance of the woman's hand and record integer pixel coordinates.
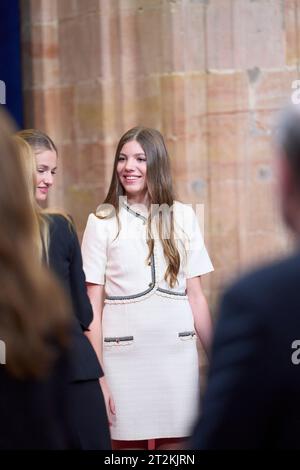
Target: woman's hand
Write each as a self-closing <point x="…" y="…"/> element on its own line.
<point x="109" y="402"/>
<point x="202" y="317"/>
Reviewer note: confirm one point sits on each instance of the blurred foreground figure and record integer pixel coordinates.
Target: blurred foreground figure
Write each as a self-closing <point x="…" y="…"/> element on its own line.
<point x="253" y="389"/>
<point x="34" y="321"/>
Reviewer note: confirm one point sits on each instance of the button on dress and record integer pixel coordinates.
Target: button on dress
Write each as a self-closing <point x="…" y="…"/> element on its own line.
<point x="149" y="342"/>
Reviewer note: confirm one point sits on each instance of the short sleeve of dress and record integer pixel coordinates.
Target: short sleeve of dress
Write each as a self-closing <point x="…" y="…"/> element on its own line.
<point x="94" y="249"/>
<point x="198" y="260"/>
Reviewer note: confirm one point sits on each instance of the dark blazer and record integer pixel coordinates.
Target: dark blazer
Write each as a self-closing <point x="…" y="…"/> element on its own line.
<point x="88" y="420"/>
<point x="66" y="261"/>
<point x="34" y="414"/>
<point x="253" y="388"/>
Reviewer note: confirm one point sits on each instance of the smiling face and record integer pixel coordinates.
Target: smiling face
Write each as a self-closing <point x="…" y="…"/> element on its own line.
<point x="132" y="171"/>
<point x="46" y="164"/>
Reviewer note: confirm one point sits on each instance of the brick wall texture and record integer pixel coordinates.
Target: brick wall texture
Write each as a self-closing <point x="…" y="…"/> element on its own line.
<point x="209" y="74"/>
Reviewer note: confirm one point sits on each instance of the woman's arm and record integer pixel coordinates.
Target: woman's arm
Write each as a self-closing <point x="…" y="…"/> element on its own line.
<point x="96" y="296"/>
<point x="199" y="306"/>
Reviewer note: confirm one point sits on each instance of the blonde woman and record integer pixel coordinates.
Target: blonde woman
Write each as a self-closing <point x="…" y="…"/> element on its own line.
<point x="143" y="266"/>
<point x="62" y="252"/>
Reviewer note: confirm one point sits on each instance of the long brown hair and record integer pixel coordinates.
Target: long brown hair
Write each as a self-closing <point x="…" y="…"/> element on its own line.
<point x="160" y="191"/>
<point x="33" y="309"/>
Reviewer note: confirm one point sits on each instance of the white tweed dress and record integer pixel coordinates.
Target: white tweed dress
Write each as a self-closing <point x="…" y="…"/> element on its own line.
<point x="149" y="343"/>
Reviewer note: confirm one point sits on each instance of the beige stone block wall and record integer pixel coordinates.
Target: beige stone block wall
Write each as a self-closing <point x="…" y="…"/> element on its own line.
<point x="210" y="74"/>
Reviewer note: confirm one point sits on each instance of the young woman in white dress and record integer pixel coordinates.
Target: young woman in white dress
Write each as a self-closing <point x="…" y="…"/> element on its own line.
<point x="143" y="257"/>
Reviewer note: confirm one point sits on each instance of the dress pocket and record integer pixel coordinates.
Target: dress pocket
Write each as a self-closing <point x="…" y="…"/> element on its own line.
<point x="186" y="335"/>
<point x="117" y="341"/>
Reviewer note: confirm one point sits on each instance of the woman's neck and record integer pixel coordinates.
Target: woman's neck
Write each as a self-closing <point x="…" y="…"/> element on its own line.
<point x="138" y="199"/>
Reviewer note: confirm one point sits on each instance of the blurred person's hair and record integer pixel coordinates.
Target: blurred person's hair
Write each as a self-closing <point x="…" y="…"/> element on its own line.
<point x="160" y="190"/>
<point x="38" y="140"/>
<point x="287" y="135"/>
<point x="34" y="314"/>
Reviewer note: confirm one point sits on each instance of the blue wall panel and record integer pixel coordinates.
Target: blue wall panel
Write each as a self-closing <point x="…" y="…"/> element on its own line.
<point x="10" y="58"/>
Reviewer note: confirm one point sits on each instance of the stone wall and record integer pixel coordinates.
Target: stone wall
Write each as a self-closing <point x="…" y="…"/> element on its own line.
<point x="210" y="74"/>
